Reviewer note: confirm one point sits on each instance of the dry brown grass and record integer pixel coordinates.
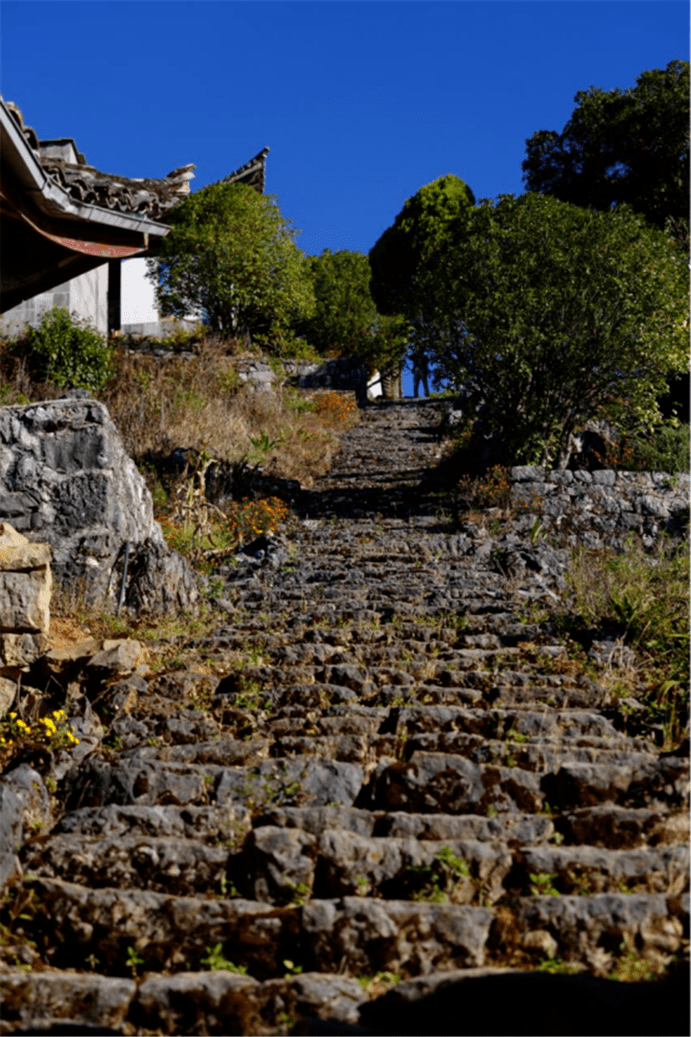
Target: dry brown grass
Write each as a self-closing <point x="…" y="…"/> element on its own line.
<point x="159" y="404"/>
<point x="200" y="403"/>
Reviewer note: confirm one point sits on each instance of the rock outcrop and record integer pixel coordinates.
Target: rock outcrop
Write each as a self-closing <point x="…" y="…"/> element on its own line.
<point x="65" y="479"/>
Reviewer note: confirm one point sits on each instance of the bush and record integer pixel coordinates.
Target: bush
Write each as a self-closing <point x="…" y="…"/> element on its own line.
<point x="665" y="450"/>
<point x="68" y="354"/>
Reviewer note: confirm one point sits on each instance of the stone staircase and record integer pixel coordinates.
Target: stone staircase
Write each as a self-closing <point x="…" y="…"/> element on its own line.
<point x="379" y="769"/>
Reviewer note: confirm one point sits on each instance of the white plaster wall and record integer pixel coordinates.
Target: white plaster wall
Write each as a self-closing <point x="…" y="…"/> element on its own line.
<point x="137" y="295"/>
<point x="85" y="296"/>
<point x="89" y="297"/>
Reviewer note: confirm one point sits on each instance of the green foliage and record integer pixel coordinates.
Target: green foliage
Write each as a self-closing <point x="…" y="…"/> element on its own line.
<point x="541" y="884"/>
<point x="411" y="243"/>
<point x="664" y="449"/>
<point x="232" y="254"/>
<point x="558" y="967"/>
<point x="69" y="354"/>
<point x="345" y="314"/>
<point x="133" y="961"/>
<point x="549" y="315"/>
<point x="444" y="875"/>
<point x="622" y="146"/>
<point x="216" y="962"/>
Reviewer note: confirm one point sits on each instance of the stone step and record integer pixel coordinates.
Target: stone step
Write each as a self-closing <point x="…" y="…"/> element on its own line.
<point x="353" y="934"/>
<point x="139" y="778"/>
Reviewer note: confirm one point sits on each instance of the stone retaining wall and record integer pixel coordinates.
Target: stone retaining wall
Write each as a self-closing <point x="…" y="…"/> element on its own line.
<point x="25" y="585"/>
<point x="341" y="375"/>
<point x="603" y="507"/>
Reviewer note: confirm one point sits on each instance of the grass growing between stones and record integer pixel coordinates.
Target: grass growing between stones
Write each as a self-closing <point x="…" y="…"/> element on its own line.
<point x="642" y="600"/>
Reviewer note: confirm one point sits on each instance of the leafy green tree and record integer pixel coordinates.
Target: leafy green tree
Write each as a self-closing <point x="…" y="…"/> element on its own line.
<point x="549" y="314"/>
<point x="412" y="244"/>
<point x="622" y="146"/>
<point x="344" y="316"/>
<point x="232" y="254"/>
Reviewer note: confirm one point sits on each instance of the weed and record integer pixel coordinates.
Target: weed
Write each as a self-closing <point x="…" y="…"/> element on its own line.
<point x="291" y="968"/>
<point x="133" y="961"/>
<point x="444" y="875"/>
<point x="558" y="967"/>
<point x="216" y="962"/>
<point x="379" y="983"/>
<point x="541" y="884"/>
<point x="632" y="968"/>
<point x="647" y="597"/>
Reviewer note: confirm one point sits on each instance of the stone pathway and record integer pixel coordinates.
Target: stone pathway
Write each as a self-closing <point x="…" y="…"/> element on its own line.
<point x="396" y="777"/>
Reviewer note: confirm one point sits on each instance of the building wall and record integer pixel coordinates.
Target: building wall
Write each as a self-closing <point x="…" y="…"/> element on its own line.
<point x="86" y="297"/>
<point x="138" y="297"/>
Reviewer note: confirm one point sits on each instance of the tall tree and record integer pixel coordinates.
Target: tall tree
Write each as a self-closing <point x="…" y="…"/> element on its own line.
<point x="549" y="314"/>
<point x="412" y="243"/>
<point x="345" y="316"/>
<point x="232" y="254"/>
<point x="622" y="146"/>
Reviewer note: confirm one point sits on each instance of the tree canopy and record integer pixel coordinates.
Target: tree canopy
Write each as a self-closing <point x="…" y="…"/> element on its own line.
<point x="412" y="242"/>
<point x="232" y="254"/>
<point x="344" y="315"/>
<point x="622" y="147"/>
<point x="345" y="321"/>
<point x="549" y="314"/>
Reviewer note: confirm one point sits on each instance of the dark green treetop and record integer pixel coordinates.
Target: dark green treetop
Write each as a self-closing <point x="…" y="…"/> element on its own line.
<point x="345" y="315"/>
<point x="412" y="242"/>
<point x="622" y="146"/>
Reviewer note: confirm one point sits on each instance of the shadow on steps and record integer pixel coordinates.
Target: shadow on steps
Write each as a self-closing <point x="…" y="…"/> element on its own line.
<point x="535" y="1004"/>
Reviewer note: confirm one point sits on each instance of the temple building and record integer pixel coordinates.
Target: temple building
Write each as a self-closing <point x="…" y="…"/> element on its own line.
<point x="75" y="237"/>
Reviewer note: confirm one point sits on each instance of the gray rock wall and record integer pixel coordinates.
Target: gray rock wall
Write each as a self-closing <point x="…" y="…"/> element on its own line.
<point x="603" y="507"/>
<point x="340" y="374"/>
<point x="65" y="479"/>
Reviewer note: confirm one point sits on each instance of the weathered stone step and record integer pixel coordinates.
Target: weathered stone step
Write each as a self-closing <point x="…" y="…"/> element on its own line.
<point x="171" y="865"/>
<point x="209" y="824"/>
<point x="337" y="863"/>
<point x="333" y="862"/>
<point x="513" y="829"/>
<point x="139" y="778"/>
<point x="586" y="870"/>
<point x="452" y="784"/>
<point x="624" y="827"/>
<point x="167" y="932"/>
<point x="542" y="755"/>
<point x="507" y="724"/>
<point x="353" y="934"/>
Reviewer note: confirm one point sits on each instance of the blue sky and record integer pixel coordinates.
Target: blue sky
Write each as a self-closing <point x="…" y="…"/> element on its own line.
<point x="360" y="102"/>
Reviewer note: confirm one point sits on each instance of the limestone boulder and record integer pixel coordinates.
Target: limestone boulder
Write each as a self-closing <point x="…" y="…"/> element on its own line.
<point x="65" y="478"/>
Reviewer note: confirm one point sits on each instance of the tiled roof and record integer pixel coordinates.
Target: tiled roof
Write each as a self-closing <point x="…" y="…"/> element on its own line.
<point x="67" y="167"/>
<point x="252" y="173"/>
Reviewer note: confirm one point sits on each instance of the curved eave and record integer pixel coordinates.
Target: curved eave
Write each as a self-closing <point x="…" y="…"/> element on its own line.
<point x="44" y="196"/>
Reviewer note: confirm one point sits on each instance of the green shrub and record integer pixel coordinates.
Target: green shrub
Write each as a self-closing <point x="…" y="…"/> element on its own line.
<point x="69" y="354"/>
<point x="666" y="449"/>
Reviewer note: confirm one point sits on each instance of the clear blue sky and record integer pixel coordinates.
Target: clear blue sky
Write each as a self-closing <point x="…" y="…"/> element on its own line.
<point x="360" y="102"/>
